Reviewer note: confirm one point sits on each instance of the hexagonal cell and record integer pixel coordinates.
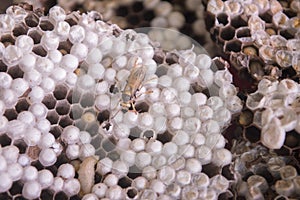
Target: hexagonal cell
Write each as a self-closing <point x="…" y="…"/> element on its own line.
<point x="56" y="130"/>
<point x="61" y="196"/>
<point x="47" y="194"/>
<point x="266" y="16"/>
<point x="256" y="68"/>
<point x="142" y="107"/>
<point x="93" y="128"/>
<point x="52" y="117"/>
<point x="16" y="188"/>
<point x="62" y="107"/>
<point x="87" y="100"/>
<point x="135" y="132"/>
<point x="113" y="155"/>
<point x="72" y="18"/>
<point x="290" y="13"/>
<point x="165" y="137"/>
<point x="109" y="144"/>
<point x="246" y="118"/>
<point x="243" y="32"/>
<point x="39" y="50"/>
<point x="80" y="124"/>
<point x="124" y="182"/>
<point x="288" y="33"/>
<point x="46" y="25"/>
<point x="250" y="50"/>
<point x="32" y="20"/>
<point x="227" y="33"/>
<point x="22" y="105"/>
<point x="292" y="140"/>
<point x="245" y="81"/>
<point x="134" y="172"/>
<point x="11" y="114"/>
<point x="20" y="29"/>
<point x="222" y="18"/>
<point x="210" y="170"/>
<point x="22" y="146"/>
<point x="49" y="101"/>
<point x="7" y="39"/>
<point x="36" y="35"/>
<point x="233" y="45"/>
<point x="101" y="153"/>
<point x="15" y="72"/>
<point x="239" y="21"/>
<point x="283" y="151"/>
<point x="148" y="134"/>
<point x="3" y="67"/>
<point x="4" y="140"/>
<point x="60" y="92"/>
<point x="103" y="116"/>
<point x="97" y="142"/>
<point x="65" y="47"/>
<point x="76" y="112"/>
<point x="162" y="69"/>
<point x="131" y="193"/>
<point x="65" y="121"/>
<point x="252" y="134"/>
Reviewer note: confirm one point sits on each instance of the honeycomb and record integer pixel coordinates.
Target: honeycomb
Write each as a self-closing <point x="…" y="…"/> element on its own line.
<point x="253" y="48"/>
<point x="260" y="45"/>
<point x="64" y="124"/>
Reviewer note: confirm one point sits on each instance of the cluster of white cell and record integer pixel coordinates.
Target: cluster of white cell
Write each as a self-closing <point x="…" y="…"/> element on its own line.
<point x="169" y="170"/>
<point x="280" y="101"/>
<point x="194" y="120"/>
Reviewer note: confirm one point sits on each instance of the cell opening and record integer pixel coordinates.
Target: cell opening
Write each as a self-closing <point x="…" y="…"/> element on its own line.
<point x="164" y="137"/>
<point x="222" y="18"/>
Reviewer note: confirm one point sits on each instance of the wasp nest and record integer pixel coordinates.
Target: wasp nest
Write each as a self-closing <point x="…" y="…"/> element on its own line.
<point x="69" y="130"/>
<point x="260" y="38"/>
<point x="261" y="174"/>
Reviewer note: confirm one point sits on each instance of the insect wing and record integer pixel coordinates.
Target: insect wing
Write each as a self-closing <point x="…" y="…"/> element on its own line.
<point x="136" y="78"/>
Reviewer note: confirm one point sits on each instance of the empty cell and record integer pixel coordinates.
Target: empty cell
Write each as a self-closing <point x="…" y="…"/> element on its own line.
<point x="87" y="100"/>
<point x="60" y="92"/>
<point x="49" y="101"/>
<point x="252" y="134"/>
<point x="62" y="107"/>
<point x="52" y="117"/>
<point x="65" y="121"/>
<point x="15" y="72"/>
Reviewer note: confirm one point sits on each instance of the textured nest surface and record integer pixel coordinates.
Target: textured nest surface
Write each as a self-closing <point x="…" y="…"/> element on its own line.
<point x="194" y="128"/>
<point x="62" y="80"/>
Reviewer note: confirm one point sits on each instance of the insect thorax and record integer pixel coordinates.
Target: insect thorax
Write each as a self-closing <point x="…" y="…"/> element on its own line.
<point x="126" y="97"/>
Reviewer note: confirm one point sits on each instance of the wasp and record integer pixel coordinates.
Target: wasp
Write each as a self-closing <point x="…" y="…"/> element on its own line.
<point x="133" y="85"/>
<point x="129" y="93"/>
